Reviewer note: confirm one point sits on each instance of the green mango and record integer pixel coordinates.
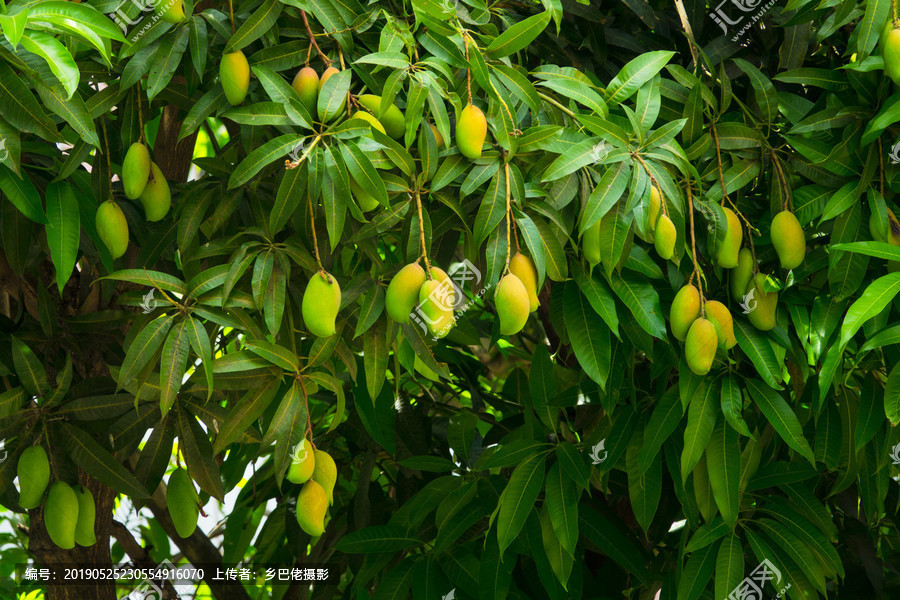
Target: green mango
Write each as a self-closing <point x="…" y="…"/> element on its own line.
<point x="664" y="237"/>
<point x="156" y="198"/>
<point x="183" y="502"/>
<point x="112" y="228"/>
<point x="135" y="170"/>
<point x="61" y="515"/>
<point x="523" y="267"/>
<point x="436" y="302"/>
<point x="171" y="11"/>
<point x="727" y="255"/>
<point x="719" y="315"/>
<point x="234" y="73"/>
<point x="742" y="274"/>
<point x="325" y="473"/>
<point x="512" y="303"/>
<point x="590" y="244"/>
<point x="684" y="311"/>
<point x="303" y="463"/>
<point x="392" y="119"/>
<point x="891" y="53"/>
<point x="84" y="527"/>
<point x="763" y="305"/>
<point x="33" y="470"/>
<point x="700" y="346"/>
<point x="320" y="305"/>
<point x="403" y="292"/>
<point x="788" y="239"/>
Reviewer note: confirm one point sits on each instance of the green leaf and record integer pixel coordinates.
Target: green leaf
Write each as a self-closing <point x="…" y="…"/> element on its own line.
<point x="22" y="193"/>
<point x="729" y="566"/>
<point x="876" y="296"/>
<point x="542" y="386"/>
<point x="892" y="396"/>
<point x="588" y="334"/>
<point x="641" y="298"/>
<point x="13" y="26"/>
<point x="198" y="454"/>
<point x="599" y="295"/>
<point x="291" y="191"/>
<point x="782" y="418"/>
<point x="21" y="109"/>
<point x="644" y="486"/>
<point x="73" y="110"/>
<point x="244" y="413"/>
<point x="869" y="28"/>
<point x="732" y="405"/>
<point x="256" y="25"/>
<point x="376" y="539"/>
<point x="519" y="35"/>
<point x="63" y="230"/>
<point x="700" y="423"/>
<point x="562" y="503"/>
<point x="29" y="369"/>
<point x="375" y="357"/>
<point x="635" y="74"/>
<point x="274" y="353"/>
<point x="757" y="347"/>
<point x="363" y="171"/>
<point x="333" y="95"/>
<point x="144" y="348"/>
<point x="603" y="533"/>
<point x="173" y="365"/>
<point x="663" y="421"/>
<point x="154" y="279"/>
<point x="518" y="499"/>
<point x="100" y="464"/>
<point x="58" y="58"/>
<point x="608" y="191"/>
<point x="259" y="158"/>
<point x="697" y="573"/>
<point x="492" y="208"/>
<point x="199" y="341"/>
<point x="166" y="60"/>
<point x="763" y="89"/>
<point x="282" y="93"/>
<point x="723" y="463"/>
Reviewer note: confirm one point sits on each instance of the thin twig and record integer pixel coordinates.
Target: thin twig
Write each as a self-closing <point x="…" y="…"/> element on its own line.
<point x="508" y="219"/>
<point x="719" y="162"/>
<point x="231" y="14"/>
<point x="686" y="25"/>
<point x="312" y="218"/>
<point x="468" y="70"/>
<point x="312" y="39"/>
<point x="108" y="164"/>
<point x="422" y="235"/>
<point x="697" y="270"/>
<point x="309" y="429"/>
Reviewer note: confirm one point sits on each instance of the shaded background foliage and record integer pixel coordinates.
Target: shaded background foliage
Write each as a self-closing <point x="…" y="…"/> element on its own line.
<point x="464" y="464"/>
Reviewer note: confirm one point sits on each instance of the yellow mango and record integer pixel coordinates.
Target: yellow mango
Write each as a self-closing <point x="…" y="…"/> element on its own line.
<point x="303" y="463"/>
<point x="727" y="255"/>
<point x="87" y="511"/>
<point x="720" y="317"/>
<point x="512" y="303"/>
<point x="403" y="292"/>
<point x="442" y="277"/>
<point x="135" y="170"/>
<point x="321" y="302"/>
<point x="437" y="135"/>
<point x="234" y="73"/>
<point x="653" y="210"/>
<point x="891" y="53"/>
<point x="471" y="130"/>
<point x="742" y="274"/>
<point x="436" y="304"/>
<point x="664" y="237"/>
<point x="684" y="311"/>
<point x="325" y="474"/>
<point x="156" y="198"/>
<point x="312" y="503"/>
<point x="364" y="199"/>
<point x="33" y="470"/>
<point x="788" y="239"/>
<point x="590" y="244"/>
<point x="306" y="84"/>
<point x="700" y="346"/>
<point x="61" y="515"/>
<point x="183" y="502"/>
<point x="326" y="74"/>
<point x="762" y="315"/>
<point x="523" y="267"/>
<point x="171" y="11"/>
<point x="393" y="120"/>
<point x="112" y="228"/>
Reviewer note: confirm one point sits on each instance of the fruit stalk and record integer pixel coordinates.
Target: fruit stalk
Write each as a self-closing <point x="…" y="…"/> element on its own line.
<point x="308" y="433"/>
<point x="508" y="217"/>
<point x="697" y="272"/>
<point x="231" y="14"/>
<point x="422" y="235"/>
<point x="652" y="181"/>
<point x="468" y="70"/>
<point x="719" y="165"/>
<point x="312" y="224"/>
<point x="781" y="179"/>
<point x="312" y="41"/>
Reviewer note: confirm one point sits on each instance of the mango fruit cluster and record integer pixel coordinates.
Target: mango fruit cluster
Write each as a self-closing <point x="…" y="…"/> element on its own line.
<point x="316" y="470"/>
<point x="320" y="304"/>
<point x="435" y="298"/>
<point x="69" y="513"/>
<point x="702" y="331"/>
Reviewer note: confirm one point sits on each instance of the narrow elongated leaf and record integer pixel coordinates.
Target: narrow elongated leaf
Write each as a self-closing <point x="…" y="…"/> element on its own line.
<point x="723" y="463"/>
<point x="665" y="418"/>
<point x="198" y="454"/>
<point x="519" y="35"/>
<point x="29" y="368"/>
<point x="588" y="334"/>
<point x="873" y="300"/>
<point x="635" y="74"/>
<point x="63" y="230"/>
<point x="700" y="424"/>
<point x="757" y="347"/>
<point x="100" y="463"/>
<point x="256" y="25"/>
<point x="22" y="193"/>
<point x="166" y="60"/>
<point x="144" y="348"/>
<point x="173" y="365"/>
<point x="518" y="499"/>
<point x="729" y="566"/>
<point x="58" y="58"/>
<point x="272" y="151"/>
<point x="377" y="539"/>
<point x="782" y="418"/>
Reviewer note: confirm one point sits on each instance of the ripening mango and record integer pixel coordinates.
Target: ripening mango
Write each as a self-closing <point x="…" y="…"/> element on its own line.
<point x="312" y="502"/>
<point x="87" y="511"/>
<point x="437" y="135"/>
<point x="393" y="120"/>
<point x="371" y="120"/>
<point x="325" y="473"/>
<point x="523" y="267"/>
<point x="112" y="228"/>
<point x="891" y="53"/>
<point x="590" y="244"/>
<point x="444" y="279"/>
<point x="788" y="239"/>
<point x="170" y="11"/>
<point x="183" y="502"/>
<point x="234" y="73"/>
<point x="512" y="303"/>
<point x="653" y="210"/>
<point x="727" y="255"/>
<point x="135" y="170"/>
<point x="61" y="515"/>
<point x="403" y="292"/>
<point x="700" y="346"/>
<point x="664" y="237"/>
<point x="742" y="274"/>
<point x="320" y="305"/>
<point x="364" y="199"/>
<point x="685" y="310"/>
<point x="882" y="37"/>
<point x="471" y="129"/>
<point x="303" y="463"/>
<point x="436" y="303"/>
<point x="156" y="198"/>
<point x="893" y="230"/>
<point x="326" y="74"/>
<point x="33" y="470"/>
<point x="762" y="311"/>
<point x="719" y="315"/>
<point x="306" y="84"/>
